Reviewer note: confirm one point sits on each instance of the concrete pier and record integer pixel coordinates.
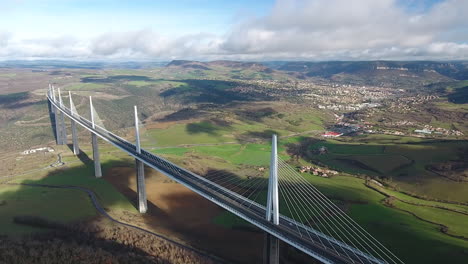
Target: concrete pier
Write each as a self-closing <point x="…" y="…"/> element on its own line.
<point x="270" y="249"/>
<point x="97" y="162"/>
<point x="63" y="128"/>
<point x="52" y="94"/>
<point x="94" y="141"/>
<point x="141" y="187"/>
<point x="76" y="147"/>
<point x="58" y="127"/>
<point x="140" y="169"/>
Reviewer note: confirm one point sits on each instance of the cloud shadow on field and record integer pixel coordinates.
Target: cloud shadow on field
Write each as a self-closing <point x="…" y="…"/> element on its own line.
<point x="257" y="136"/>
<point x="203" y="127"/>
<point x="115" y="78"/>
<point x="212" y="91"/>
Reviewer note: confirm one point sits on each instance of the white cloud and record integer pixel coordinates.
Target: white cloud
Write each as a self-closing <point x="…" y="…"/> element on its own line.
<point x="293" y="29"/>
<point x="60" y="47"/>
<point x="148" y="44"/>
<point x="334" y="28"/>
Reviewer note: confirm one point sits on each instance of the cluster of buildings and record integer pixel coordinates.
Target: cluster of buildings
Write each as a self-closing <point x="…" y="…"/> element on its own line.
<point x="348" y="107"/>
<point x="384" y="131"/>
<point x="400" y="123"/>
<point x="317" y="171"/>
<point x="35" y="150"/>
<point x="362" y="102"/>
<point x="404" y="104"/>
<point x="391" y="68"/>
<point x="428" y="130"/>
<point x="343" y="128"/>
<point x="339" y="97"/>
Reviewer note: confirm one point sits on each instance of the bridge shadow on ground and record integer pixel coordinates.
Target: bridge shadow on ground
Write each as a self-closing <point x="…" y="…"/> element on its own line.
<point x="187" y="215"/>
<point x="84" y="158"/>
<point x="123" y="178"/>
<point x="182" y="213"/>
<point x="68" y="225"/>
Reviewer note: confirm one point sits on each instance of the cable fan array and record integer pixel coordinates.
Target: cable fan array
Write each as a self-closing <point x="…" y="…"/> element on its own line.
<point x="313" y="211"/>
<point x="250" y="186"/>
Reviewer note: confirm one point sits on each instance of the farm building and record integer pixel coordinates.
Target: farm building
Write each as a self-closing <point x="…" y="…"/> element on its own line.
<point x="331" y="134"/>
<point x="423" y="131"/>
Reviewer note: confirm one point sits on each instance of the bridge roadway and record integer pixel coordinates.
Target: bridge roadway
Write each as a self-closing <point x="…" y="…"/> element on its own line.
<point x="306" y="239"/>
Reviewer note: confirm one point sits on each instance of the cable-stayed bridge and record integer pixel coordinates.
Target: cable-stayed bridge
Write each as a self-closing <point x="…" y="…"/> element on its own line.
<point x="295" y="211"/>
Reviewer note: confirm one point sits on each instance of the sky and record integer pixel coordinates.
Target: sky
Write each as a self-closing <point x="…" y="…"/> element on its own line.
<point x="158" y="30"/>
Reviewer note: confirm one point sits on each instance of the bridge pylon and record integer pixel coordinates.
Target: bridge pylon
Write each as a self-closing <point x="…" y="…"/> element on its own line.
<point x="63" y="128"/>
<point x="58" y="132"/>
<point x="271" y="243"/>
<point x="140" y="170"/>
<point x="52" y="95"/>
<point x="94" y="142"/>
<point x="76" y="148"/>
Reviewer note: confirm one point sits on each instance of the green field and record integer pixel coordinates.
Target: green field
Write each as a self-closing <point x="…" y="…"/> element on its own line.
<point x="85" y="87"/>
<point x="456" y="223"/>
<point x="383" y="164"/>
<point x="156" y="83"/>
<point x="22" y="200"/>
<point x="196" y="133"/>
<point x="59" y="205"/>
<point x="223" y="127"/>
<point x="403" y="164"/>
<point x="452" y="107"/>
<point x="249" y="154"/>
<point x="456" y="97"/>
<point x="413" y="200"/>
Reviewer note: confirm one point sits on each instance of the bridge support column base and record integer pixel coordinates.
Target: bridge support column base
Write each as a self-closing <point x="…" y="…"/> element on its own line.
<point x="63" y="128"/>
<point x="141" y="187"/>
<point x="97" y="162"/>
<point x="76" y="148"/>
<point x="52" y="108"/>
<point x="270" y="249"/>
<point x="58" y="127"/>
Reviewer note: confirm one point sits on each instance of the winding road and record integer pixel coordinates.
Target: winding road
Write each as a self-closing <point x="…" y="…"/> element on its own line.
<point x="100" y="209"/>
